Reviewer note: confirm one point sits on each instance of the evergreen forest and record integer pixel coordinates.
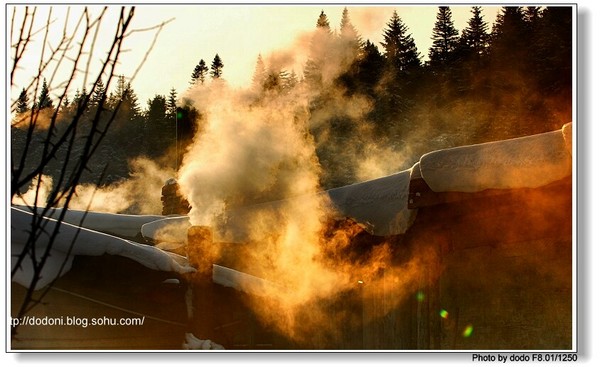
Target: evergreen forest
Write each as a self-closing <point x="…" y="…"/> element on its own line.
<point x="493" y="80"/>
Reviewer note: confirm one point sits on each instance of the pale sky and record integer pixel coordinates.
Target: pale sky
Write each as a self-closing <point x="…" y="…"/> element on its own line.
<point x="238" y="33"/>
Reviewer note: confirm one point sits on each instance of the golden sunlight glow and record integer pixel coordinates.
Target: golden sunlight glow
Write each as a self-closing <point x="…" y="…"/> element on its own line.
<point x="238" y="33"/>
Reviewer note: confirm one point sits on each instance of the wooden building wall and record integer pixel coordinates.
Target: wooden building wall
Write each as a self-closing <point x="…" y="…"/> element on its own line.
<point x="495" y="273"/>
<point x="503" y="276"/>
<point x="111" y="287"/>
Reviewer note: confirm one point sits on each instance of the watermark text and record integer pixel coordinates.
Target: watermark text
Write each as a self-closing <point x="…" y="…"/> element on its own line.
<point x="83" y="322"/>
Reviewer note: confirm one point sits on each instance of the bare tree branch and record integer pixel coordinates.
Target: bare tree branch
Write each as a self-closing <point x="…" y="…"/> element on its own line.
<point x="78" y="139"/>
<point x="159" y="29"/>
<point x="22" y="42"/>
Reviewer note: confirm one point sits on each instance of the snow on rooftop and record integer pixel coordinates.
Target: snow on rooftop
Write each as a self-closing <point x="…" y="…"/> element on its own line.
<point x="124" y="225"/>
<point x="84" y="242"/>
<point x="527" y="162"/>
<point x="380" y="205"/>
<point x="243" y="282"/>
<point x="168" y="229"/>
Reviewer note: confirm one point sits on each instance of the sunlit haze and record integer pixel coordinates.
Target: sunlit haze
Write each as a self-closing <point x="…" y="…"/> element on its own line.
<point x="334" y="182"/>
<point x="238" y="33"/>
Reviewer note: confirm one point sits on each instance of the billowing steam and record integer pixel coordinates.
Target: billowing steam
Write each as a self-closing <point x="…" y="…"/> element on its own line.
<point x="261" y="147"/>
<point x="37" y="193"/>
<point x="252" y="151"/>
<point x="139" y="194"/>
<point x="246" y="154"/>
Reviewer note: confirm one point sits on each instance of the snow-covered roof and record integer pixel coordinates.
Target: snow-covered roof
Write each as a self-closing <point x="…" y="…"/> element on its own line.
<point x="380" y="205"/>
<point x="71" y="241"/>
<point x="528" y="162"/>
<point x="243" y="282"/>
<point x="168" y="229"/>
<point x="122" y="225"/>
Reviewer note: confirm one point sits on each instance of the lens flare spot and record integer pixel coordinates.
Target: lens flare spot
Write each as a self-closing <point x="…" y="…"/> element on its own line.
<point x="444" y="314"/>
<point x="420" y="296"/>
<point x="360" y="282"/>
<point x="468" y="331"/>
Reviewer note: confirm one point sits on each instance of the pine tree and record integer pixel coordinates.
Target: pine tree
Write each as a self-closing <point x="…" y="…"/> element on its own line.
<point x="400" y="48"/>
<point x="121" y="88"/>
<point x="202" y="71"/>
<point x="553" y="51"/>
<point x="510" y="41"/>
<point x="23" y="102"/>
<point x="157" y="108"/>
<point x="172" y="104"/>
<point x="370" y="68"/>
<point x="323" y="22"/>
<point x="349" y="34"/>
<point x="199" y="73"/>
<point x="99" y="94"/>
<point x="509" y="27"/>
<point x="66" y="104"/>
<point x="157" y="126"/>
<point x="113" y="100"/>
<point x="216" y="68"/>
<point x="125" y="95"/>
<point x="348" y="51"/>
<point x="445" y="38"/>
<point x="77" y="99"/>
<point x="260" y="73"/>
<point x="533" y="14"/>
<point x="291" y="81"/>
<point x="346" y="25"/>
<point x="126" y="100"/>
<point x="44" y="100"/>
<point x="400" y="81"/>
<point x="273" y="81"/>
<point x="350" y="41"/>
<point x="128" y="127"/>
<point x="131" y="103"/>
<point x="319" y="53"/>
<point x="284" y="77"/>
<point x="475" y="36"/>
